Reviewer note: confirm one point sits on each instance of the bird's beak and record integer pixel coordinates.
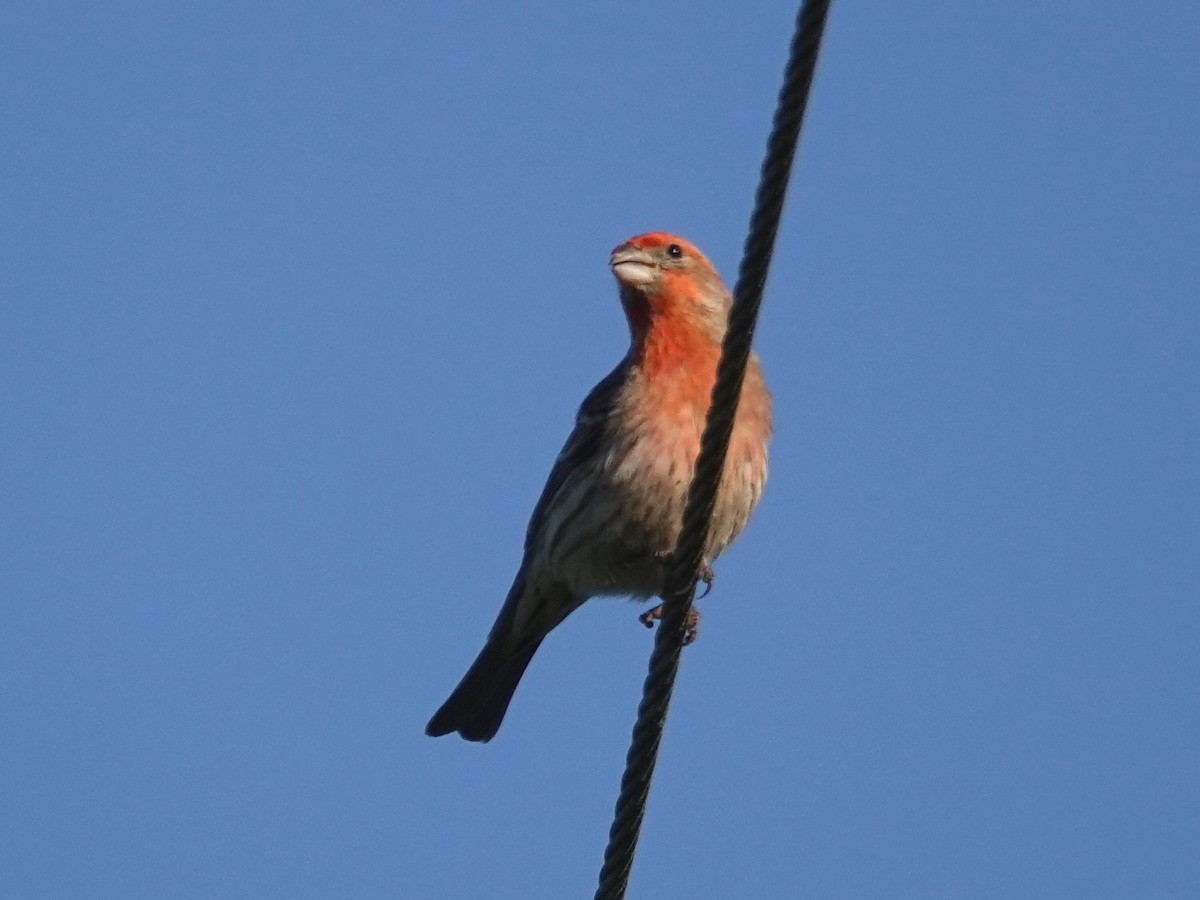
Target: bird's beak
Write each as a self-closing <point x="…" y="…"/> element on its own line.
<point x="633" y="266"/>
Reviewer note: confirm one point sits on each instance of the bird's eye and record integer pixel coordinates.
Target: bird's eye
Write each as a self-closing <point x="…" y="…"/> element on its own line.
<point x="674" y="251"/>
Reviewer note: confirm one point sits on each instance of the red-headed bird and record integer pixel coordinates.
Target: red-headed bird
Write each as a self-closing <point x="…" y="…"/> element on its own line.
<point x="610" y="514"/>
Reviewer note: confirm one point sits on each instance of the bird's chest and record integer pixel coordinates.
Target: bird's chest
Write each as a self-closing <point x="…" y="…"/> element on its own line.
<point x="652" y="468"/>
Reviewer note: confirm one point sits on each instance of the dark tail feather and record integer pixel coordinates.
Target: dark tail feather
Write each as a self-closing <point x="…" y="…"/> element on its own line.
<point x="477" y="706"/>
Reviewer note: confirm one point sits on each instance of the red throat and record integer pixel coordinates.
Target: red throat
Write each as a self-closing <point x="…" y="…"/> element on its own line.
<point x="669" y="346"/>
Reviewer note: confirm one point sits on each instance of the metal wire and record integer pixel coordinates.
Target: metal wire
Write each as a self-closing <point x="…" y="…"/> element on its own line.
<point x="682" y="575"/>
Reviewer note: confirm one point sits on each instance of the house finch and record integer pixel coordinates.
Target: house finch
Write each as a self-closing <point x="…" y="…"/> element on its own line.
<point x="610" y="514"/>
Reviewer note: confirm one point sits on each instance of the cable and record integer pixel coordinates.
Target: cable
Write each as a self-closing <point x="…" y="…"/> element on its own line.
<point x="680" y="583"/>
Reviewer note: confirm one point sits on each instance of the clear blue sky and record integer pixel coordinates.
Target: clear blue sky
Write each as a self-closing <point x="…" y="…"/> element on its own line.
<point x="296" y="306"/>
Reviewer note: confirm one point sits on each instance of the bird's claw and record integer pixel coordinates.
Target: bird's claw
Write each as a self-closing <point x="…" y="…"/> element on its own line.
<point x="690" y="625"/>
<point x="705" y="575"/>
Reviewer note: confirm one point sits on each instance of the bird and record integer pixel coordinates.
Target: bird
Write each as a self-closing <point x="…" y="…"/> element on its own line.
<point x="610" y="514"/>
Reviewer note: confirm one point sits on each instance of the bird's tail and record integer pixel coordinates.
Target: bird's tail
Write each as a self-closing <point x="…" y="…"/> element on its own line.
<point x="477" y="706"/>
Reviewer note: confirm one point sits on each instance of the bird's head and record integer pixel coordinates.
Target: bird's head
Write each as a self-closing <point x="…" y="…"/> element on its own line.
<point x="666" y="281"/>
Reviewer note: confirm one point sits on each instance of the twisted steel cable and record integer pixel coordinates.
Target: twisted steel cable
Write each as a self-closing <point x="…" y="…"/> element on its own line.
<point x="682" y="574"/>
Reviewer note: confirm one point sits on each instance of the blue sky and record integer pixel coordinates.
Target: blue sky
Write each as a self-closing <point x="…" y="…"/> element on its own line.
<point x="296" y="306"/>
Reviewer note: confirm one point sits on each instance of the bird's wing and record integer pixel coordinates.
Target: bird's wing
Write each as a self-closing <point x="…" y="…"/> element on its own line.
<point x="582" y="451"/>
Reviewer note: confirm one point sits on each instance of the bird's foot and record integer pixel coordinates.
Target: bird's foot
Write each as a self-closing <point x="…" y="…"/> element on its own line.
<point x="690" y="626"/>
<point x="705" y="575"/>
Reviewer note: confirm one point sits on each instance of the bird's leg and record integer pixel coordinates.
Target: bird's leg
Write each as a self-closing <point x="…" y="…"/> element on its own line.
<point x="706" y="574"/>
<point x="691" y="625"/>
